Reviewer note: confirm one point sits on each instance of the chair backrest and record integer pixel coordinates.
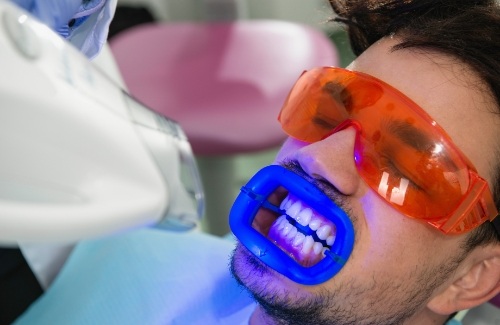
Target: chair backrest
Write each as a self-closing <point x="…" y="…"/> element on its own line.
<point x="265" y="55"/>
<point x="211" y="68"/>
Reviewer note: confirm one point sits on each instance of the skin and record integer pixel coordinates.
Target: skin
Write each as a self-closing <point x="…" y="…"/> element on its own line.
<point x="401" y="271"/>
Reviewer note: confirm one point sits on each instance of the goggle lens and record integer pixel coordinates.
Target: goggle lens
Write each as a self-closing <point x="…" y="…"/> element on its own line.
<point x="400" y="151"/>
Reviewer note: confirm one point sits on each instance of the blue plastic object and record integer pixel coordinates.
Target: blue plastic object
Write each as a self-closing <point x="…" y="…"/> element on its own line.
<point x="253" y="197"/>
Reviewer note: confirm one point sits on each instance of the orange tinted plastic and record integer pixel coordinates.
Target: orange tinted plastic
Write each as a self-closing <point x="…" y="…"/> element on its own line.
<point x="400" y="151"/>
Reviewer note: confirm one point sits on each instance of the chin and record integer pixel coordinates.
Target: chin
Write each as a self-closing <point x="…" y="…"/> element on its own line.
<point x="262" y="281"/>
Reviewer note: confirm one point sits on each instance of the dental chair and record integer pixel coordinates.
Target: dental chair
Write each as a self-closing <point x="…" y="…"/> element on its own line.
<point x="224" y="83"/>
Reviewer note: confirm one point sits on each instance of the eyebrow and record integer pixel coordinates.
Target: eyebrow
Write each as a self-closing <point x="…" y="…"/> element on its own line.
<point x="409" y="134"/>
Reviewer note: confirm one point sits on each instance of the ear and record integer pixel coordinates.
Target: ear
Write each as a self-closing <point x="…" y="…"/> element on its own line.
<point x="477" y="281"/>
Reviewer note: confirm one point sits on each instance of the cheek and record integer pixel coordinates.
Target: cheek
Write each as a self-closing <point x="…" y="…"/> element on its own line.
<point x="388" y="239"/>
<point x="392" y="248"/>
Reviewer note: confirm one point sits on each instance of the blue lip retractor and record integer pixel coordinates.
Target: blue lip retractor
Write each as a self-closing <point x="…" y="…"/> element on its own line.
<point x="253" y="197"/>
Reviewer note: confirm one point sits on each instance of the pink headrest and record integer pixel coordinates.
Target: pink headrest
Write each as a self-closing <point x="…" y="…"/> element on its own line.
<point x="223" y="82"/>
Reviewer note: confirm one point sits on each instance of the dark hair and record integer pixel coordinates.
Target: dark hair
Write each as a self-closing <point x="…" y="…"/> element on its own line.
<point x="468" y="30"/>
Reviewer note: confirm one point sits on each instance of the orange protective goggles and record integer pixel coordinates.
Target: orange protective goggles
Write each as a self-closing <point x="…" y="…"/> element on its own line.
<point x="400" y="151"/>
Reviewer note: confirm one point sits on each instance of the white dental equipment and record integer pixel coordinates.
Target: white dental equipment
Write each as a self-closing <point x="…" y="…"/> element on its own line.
<point x="79" y="157"/>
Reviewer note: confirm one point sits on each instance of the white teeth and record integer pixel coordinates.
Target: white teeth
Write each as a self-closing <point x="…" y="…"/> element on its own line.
<point x="317" y="248"/>
<point x="294" y="210"/>
<point x="314" y="224"/>
<point x="292" y="233"/>
<point x="304" y="217"/>
<point x="286" y="228"/>
<point x="308" y="244"/>
<point x="281" y="222"/>
<point x="299" y="239"/>
<point x="323" y="232"/>
<point x="283" y="203"/>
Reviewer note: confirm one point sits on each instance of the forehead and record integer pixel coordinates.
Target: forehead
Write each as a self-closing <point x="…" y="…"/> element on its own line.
<point x="449" y="91"/>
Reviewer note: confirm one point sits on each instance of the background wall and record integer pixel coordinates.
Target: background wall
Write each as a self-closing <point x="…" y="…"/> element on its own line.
<point x="314" y="12"/>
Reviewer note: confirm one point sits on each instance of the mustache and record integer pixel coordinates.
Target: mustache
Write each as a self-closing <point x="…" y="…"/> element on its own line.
<point x="322" y="184"/>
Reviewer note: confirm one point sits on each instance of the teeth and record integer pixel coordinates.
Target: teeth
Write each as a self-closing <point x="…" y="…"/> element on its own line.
<point x="323" y="232"/>
<point x="314" y="224"/>
<point x="292" y="233"/>
<point x="299" y="239"/>
<point x="281" y="222"/>
<point x="317" y="248"/>
<point x="304" y="217"/>
<point x="283" y="203"/>
<point x="286" y="228"/>
<point x="308" y="244"/>
<point x="294" y="210"/>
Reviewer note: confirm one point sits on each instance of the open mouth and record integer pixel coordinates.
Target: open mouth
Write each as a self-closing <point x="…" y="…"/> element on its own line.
<point x="297" y="229"/>
<point x="292" y="226"/>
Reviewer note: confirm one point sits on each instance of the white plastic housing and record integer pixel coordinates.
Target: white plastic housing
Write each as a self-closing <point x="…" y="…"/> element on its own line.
<point x="72" y="163"/>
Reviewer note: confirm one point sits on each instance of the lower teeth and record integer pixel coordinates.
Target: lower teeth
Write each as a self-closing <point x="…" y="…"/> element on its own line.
<point x="293" y="237"/>
<point x="306" y="231"/>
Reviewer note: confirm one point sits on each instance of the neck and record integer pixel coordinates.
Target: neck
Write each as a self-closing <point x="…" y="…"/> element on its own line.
<point x="259" y="317"/>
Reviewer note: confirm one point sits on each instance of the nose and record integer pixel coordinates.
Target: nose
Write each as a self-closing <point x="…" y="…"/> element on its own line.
<point x="332" y="160"/>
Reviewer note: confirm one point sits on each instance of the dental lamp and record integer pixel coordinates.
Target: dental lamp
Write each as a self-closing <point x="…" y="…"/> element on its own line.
<point x="80" y="157"/>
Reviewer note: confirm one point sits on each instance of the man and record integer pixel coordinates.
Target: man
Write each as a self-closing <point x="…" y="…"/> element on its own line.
<point x="407" y="264"/>
<point x="396" y="248"/>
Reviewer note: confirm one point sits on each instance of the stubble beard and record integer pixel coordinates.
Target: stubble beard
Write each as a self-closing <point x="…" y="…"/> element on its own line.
<point x="351" y="302"/>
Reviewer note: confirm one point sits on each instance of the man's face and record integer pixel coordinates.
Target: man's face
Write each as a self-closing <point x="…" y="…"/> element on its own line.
<point x="398" y="264"/>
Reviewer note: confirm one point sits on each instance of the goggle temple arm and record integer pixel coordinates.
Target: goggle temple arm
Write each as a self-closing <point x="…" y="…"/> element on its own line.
<point x="476" y="208"/>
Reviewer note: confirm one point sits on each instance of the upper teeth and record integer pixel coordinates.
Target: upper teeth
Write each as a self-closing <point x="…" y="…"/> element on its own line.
<point x="304" y="216"/>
